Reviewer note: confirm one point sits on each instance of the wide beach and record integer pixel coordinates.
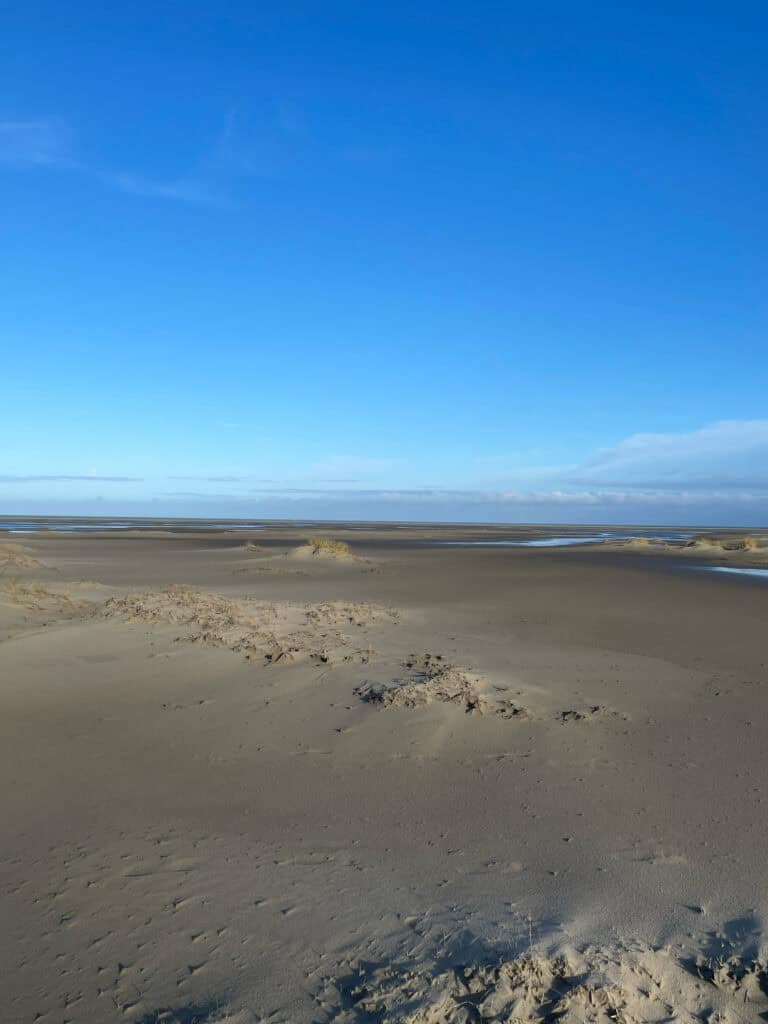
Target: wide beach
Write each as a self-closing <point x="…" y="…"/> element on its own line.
<point x="249" y="778"/>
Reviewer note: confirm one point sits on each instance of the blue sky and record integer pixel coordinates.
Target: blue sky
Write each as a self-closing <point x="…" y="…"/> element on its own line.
<point x="478" y="261"/>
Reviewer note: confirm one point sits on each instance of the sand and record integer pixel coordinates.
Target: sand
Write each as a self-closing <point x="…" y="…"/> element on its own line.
<point x="403" y="783"/>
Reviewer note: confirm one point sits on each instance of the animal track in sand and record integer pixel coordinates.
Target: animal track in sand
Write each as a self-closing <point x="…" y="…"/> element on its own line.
<point x="588" y="713"/>
<point x="582" y="714"/>
<point x="273" y="632"/>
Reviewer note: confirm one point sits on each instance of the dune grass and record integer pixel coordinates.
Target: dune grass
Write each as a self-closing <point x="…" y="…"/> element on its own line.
<point x="36" y="596"/>
<point x="728" y="543"/>
<point x="326" y="545"/>
<point x="741" y="544"/>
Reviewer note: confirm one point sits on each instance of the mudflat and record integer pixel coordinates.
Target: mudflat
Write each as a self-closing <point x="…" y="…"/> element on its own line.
<point x="259" y="775"/>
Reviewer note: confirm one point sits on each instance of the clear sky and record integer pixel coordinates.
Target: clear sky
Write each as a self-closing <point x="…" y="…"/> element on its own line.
<point x="486" y="261"/>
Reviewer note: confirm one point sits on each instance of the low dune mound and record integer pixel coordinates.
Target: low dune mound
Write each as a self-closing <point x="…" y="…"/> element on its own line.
<point x="429" y="679"/>
<point x="643" y="544"/>
<point x="186" y="605"/>
<point x="637" y="986"/>
<point x="16" y="556"/>
<point x="716" y="544"/>
<point x="316" y="551"/>
<point x="272" y="632"/>
<point x="324" y="548"/>
<point x="515" y="990"/>
<point x="327" y="547"/>
<point x="37" y="597"/>
<point x="258" y="629"/>
<point x="344" y="613"/>
<point x="704" y="545"/>
<point x="182" y="605"/>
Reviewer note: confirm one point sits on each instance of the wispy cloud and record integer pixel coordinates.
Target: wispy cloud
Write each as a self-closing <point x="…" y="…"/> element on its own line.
<point x="45" y="143"/>
<point x="725" y="454"/>
<point x="587" y="506"/>
<point x="728" y="455"/>
<point x="34" y="143"/>
<point x="237" y="152"/>
<point x="512" y="498"/>
<point x="187" y="190"/>
<point x="716" y="473"/>
<point x="204" y="496"/>
<point x="211" y="479"/>
<point x="12" y="478"/>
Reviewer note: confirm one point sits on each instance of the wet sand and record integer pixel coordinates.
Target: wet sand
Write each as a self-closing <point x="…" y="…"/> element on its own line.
<point x="235" y="773"/>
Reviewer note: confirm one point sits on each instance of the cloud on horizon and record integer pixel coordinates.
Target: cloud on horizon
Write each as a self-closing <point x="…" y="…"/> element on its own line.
<point x="14" y="478"/>
<point x="474" y="497"/>
<point x="715" y="473"/>
<point x="725" y="454"/>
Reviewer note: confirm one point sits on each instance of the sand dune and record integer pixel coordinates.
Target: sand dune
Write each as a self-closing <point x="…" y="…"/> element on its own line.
<point x="16" y="556"/>
<point x="312" y="557"/>
<point x="747" y="548"/>
<point x="322" y="548"/>
<point x="429" y="679"/>
<point x="275" y="632"/>
<point x="629" y="986"/>
<point x="39" y="597"/>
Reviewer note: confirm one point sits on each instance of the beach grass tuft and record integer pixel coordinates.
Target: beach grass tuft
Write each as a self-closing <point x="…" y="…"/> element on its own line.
<point x="326" y="545"/>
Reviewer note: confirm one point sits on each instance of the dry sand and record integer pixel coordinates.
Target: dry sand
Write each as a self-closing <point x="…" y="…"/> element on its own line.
<point x="405" y="783"/>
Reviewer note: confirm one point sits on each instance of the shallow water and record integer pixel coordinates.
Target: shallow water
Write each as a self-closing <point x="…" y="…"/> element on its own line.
<point x="76" y="526"/>
<point x="25" y="525"/>
<point x="559" y="542"/>
<point x="545" y="542"/>
<point x="758" y="573"/>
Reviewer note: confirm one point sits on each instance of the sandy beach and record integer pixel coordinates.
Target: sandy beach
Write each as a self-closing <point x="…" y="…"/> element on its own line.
<point x="250" y="778"/>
